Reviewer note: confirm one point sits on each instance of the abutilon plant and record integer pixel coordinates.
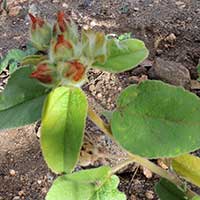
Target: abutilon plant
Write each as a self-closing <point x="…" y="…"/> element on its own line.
<point x="151" y="120"/>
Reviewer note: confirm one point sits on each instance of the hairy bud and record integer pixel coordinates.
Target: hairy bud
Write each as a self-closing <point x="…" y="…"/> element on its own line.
<point x="40" y="33"/>
<point x="43" y="73"/>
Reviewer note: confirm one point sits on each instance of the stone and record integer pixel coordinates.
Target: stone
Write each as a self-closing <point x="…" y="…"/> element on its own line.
<point x="149" y="194"/>
<point x="170" y="72"/>
<point x="12" y="172"/>
<point x="147" y="173"/>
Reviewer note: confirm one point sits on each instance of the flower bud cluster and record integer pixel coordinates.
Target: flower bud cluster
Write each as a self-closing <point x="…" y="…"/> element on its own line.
<point x="69" y="54"/>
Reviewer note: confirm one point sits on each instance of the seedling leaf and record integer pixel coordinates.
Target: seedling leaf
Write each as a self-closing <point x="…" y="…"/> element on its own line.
<point x="93" y="184"/>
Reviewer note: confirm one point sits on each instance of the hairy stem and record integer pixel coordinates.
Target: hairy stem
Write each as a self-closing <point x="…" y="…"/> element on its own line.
<point x="135" y="158"/>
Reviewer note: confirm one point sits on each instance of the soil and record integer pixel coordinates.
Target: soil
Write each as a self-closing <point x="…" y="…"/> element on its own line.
<point x="170" y="29"/>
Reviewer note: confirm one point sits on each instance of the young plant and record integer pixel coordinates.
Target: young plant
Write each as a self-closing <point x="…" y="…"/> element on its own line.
<point x="152" y="119"/>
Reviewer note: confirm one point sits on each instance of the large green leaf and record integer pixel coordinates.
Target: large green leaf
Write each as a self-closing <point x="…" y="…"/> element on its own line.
<point x="154" y="119"/>
<point x="188" y="166"/>
<point x="168" y="191"/>
<point x="22" y="114"/>
<point x="93" y="184"/>
<point x="123" y="55"/>
<point x="21" y="101"/>
<point x="63" y="123"/>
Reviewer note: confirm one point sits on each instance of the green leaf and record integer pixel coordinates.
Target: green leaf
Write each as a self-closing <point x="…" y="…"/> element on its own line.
<point x="123" y="55"/>
<point x="198" y="70"/>
<point x="154" y="119"/>
<point x="93" y="184"/>
<point x="188" y="166"/>
<point x="168" y="191"/>
<point x="196" y="198"/>
<point x="13" y="66"/>
<point x="63" y="123"/>
<point x="21" y="101"/>
<point x="12" y="56"/>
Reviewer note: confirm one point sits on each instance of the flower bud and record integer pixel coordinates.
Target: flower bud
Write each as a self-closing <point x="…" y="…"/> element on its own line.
<point x="43" y="73"/>
<point x="61" y="49"/>
<point x="40" y="33"/>
<point x="94" y="46"/>
<point x="66" y="27"/>
<point x="76" y="71"/>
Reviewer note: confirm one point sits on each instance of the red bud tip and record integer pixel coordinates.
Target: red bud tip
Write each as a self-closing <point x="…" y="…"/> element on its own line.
<point x="62" y="42"/>
<point x="42" y="74"/>
<point x="36" y="21"/>
<point x="61" y="21"/>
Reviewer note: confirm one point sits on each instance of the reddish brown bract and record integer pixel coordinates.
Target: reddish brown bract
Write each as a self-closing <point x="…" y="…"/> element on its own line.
<point x="76" y="69"/>
<point x="61" y="21"/>
<point x="42" y="74"/>
<point x="62" y="42"/>
<point x="36" y="21"/>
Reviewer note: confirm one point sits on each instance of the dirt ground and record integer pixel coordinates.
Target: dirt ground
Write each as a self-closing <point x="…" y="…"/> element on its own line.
<point x="171" y="31"/>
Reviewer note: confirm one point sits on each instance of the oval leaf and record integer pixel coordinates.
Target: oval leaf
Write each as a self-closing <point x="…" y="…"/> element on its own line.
<point x="155" y="119"/>
<point x="63" y="123"/>
<point x="168" y="191"/>
<point x="123" y="55"/>
<point x="93" y="184"/>
<point x="21" y="101"/>
<point x="188" y="166"/>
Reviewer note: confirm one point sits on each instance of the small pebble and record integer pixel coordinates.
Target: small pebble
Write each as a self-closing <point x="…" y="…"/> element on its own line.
<point x="136" y="9"/>
<point x="109" y="100"/>
<point x="99" y="95"/>
<point x="149" y="194"/>
<point x="65" y="5"/>
<point x="16" y="198"/>
<point x="39" y="182"/>
<point x="93" y="23"/>
<point x="170" y="38"/>
<point x="133" y="197"/>
<point x="21" y="193"/>
<point x="12" y="172"/>
<point x="92" y="88"/>
<point x="162" y="164"/>
<point x="119" y="88"/>
<point x="147" y="173"/>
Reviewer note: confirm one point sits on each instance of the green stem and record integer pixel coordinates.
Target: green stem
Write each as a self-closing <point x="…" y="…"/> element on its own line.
<point x="135" y="158"/>
<point x="99" y="122"/>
